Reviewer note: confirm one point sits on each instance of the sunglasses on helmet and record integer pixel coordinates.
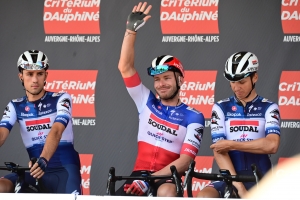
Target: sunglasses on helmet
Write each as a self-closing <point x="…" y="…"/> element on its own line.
<point x="33" y="66"/>
<point x="159" y="69"/>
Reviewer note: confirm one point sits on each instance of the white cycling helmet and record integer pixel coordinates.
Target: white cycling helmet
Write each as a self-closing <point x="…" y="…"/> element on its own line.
<point x="240" y="65"/>
<point x="33" y="60"/>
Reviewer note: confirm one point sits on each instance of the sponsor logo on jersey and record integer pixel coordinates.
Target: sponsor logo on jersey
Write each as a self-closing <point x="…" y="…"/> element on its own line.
<point x="66" y="103"/>
<point x="203" y="164"/>
<point x="81" y="18"/>
<point x="27" y="108"/>
<point x="290" y="20"/>
<point x="198" y="90"/>
<point x="233" y="108"/>
<point x="85" y="170"/>
<point x="6" y="110"/>
<point x="159" y="136"/>
<point x="38" y="124"/>
<point x="163" y="125"/>
<point x="229" y="114"/>
<point x="244" y="125"/>
<point x="199" y="134"/>
<point x="275" y="114"/>
<point x="80" y="84"/>
<point x="195" y="18"/>
<point x="18" y="100"/>
<point x="214" y="117"/>
<point x="288" y="95"/>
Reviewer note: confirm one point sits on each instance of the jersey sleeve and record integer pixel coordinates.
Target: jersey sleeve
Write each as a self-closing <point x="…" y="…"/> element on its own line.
<point x="9" y="117"/>
<point x="217" y="125"/>
<point x="194" y="134"/>
<point x="64" y="109"/>
<point x="272" y="117"/>
<point x="138" y="92"/>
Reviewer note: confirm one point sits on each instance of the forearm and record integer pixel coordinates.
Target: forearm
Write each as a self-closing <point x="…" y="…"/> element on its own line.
<point x="126" y="62"/>
<point x="51" y="144"/>
<point x="3" y="135"/>
<point x="258" y="146"/>
<point x="224" y="162"/>
<point x="181" y="165"/>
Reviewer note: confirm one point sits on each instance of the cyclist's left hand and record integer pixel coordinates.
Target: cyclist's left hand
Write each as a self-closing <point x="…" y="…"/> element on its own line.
<point x="222" y="146"/>
<point x="138" y="187"/>
<point x="38" y="169"/>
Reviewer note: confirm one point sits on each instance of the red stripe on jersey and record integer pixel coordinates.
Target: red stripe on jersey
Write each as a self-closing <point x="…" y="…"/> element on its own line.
<point x="243" y="122"/>
<point x="40" y="121"/>
<point x="153" y="158"/>
<point x="189" y="150"/>
<point x="132" y="81"/>
<point x="160" y="121"/>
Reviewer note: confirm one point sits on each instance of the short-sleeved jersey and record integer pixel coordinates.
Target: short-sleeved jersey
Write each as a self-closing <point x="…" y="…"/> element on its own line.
<point x="230" y="120"/>
<point x="164" y="132"/>
<point x="36" y="119"/>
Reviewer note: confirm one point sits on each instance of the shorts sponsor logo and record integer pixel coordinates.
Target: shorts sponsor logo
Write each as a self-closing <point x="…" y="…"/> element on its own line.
<point x="290" y="20"/>
<point x="195" y="18"/>
<point x="288" y="95"/>
<point x="198" y="90"/>
<point x="86" y="166"/>
<point x="80" y="84"/>
<point x="74" y="17"/>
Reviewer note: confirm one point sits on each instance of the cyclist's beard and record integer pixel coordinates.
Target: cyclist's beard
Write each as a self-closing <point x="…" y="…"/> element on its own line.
<point x="170" y="95"/>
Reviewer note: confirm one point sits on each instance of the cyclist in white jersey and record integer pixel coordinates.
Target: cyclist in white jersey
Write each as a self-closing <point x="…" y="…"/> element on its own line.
<point x="170" y="132"/>
<point x="46" y="128"/>
<point x="245" y="128"/>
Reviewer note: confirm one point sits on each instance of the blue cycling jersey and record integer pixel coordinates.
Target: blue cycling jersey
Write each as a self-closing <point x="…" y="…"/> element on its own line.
<point x="232" y="121"/>
<point x="36" y="118"/>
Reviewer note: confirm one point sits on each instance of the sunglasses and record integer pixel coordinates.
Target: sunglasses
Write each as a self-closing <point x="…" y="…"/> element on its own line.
<point x="159" y="69"/>
<point x="33" y="66"/>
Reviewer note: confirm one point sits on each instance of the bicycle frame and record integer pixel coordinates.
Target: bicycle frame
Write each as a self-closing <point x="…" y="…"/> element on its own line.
<point x="112" y="178"/>
<point x="223" y="176"/>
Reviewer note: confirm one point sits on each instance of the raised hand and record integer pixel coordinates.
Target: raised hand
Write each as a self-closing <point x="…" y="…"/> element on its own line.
<point x="138" y="17"/>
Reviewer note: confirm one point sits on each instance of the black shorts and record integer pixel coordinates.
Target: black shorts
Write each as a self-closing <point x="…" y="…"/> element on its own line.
<point x="155" y="186"/>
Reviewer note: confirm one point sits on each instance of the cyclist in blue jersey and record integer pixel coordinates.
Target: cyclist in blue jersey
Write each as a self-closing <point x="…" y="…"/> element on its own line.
<point x="46" y="129"/>
<point x="170" y="132"/>
<point x="245" y="128"/>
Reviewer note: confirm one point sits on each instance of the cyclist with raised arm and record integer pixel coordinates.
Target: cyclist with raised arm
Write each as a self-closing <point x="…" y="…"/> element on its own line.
<point x="170" y="132"/>
<point x="46" y="128"/>
<point x="245" y="127"/>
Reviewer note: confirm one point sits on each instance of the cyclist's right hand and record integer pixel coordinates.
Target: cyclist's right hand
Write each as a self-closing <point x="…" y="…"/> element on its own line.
<point x="138" y="17"/>
<point x="138" y="187"/>
<point x="38" y="169"/>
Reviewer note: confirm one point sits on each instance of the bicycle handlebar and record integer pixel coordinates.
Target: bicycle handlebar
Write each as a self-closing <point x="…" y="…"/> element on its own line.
<point x="110" y="189"/>
<point x="10" y="166"/>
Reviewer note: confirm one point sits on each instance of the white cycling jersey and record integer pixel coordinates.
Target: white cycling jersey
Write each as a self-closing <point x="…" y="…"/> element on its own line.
<point x="165" y="132"/>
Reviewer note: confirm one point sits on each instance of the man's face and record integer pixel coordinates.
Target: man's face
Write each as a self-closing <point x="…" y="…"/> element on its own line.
<point x="33" y="80"/>
<point x="165" y="84"/>
<point x="242" y="88"/>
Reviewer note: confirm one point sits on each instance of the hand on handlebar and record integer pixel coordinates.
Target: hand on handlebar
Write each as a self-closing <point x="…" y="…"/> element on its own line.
<point x="38" y="169"/>
<point x="138" y="187"/>
<point x="138" y="17"/>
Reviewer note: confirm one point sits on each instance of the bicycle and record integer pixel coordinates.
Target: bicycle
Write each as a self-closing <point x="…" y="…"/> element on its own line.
<point x="223" y="176"/>
<point x="112" y="178"/>
<point x="21" y="186"/>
